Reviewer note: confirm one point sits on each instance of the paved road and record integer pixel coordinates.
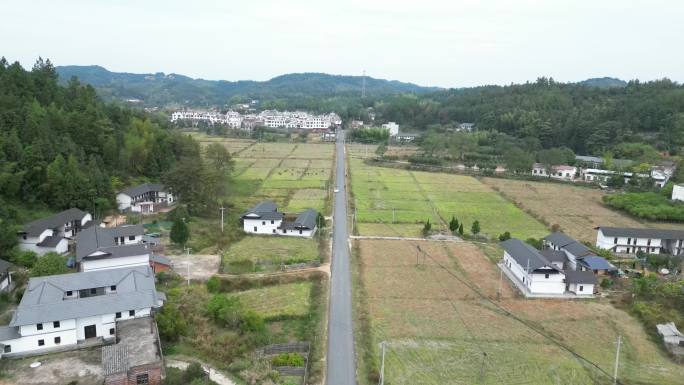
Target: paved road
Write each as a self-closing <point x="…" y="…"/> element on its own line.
<point x="341" y="365"/>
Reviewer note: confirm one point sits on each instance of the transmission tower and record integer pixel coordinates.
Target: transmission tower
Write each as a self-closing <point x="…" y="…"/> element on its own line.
<point x="363" y="84"/>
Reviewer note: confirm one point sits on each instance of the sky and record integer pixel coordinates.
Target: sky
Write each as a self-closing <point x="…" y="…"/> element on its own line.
<point x="447" y="43"/>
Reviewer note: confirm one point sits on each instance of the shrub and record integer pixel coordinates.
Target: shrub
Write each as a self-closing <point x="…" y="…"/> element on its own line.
<point x="453" y="225"/>
<point x="505" y="236"/>
<point x="225" y="310"/>
<point x="25" y="258"/>
<point x="288" y="359"/>
<point x="427" y="227"/>
<point x="49" y="264"/>
<point x="251" y="321"/>
<point x="171" y="322"/>
<point x="475" y="229"/>
<point x="606" y="283"/>
<point x="460" y="229"/>
<point x="648" y="205"/>
<point x="213" y="284"/>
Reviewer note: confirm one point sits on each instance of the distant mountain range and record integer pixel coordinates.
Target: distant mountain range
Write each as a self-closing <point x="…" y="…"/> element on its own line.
<point x="161" y="89"/>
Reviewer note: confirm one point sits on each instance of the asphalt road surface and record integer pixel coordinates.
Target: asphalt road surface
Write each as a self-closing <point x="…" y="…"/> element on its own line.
<point x="341" y="365"/>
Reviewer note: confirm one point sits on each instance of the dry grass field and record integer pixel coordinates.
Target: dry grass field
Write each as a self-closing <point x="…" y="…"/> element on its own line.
<point x="438" y="329"/>
<point x="577" y="210"/>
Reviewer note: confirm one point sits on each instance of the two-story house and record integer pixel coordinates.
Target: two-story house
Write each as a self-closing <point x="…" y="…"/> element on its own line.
<point x="579" y="256"/>
<point x="52" y="234"/>
<point x="632" y="240"/>
<point x="99" y="248"/>
<point x="146" y="198"/>
<point x="61" y="312"/>
<point x="265" y="218"/>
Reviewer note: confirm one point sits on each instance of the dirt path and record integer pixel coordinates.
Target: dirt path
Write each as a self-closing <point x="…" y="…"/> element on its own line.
<point x="201" y="266"/>
<point x="214" y="374"/>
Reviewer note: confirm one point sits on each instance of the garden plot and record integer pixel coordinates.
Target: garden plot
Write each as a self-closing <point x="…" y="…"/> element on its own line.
<point x="577" y="210"/>
<point x="288" y="300"/>
<point x="395" y="202"/>
<point x="268" y="253"/>
<point x="438" y="330"/>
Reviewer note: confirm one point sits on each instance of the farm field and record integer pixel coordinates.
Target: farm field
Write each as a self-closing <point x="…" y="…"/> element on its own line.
<point x="393" y="202"/>
<point x="438" y="330"/>
<point x="266" y="253"/>
<point x="577" y="210"/>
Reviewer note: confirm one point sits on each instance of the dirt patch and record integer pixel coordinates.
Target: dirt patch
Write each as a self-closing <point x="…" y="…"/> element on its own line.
<point x="83" y="366"/>
<point x="202" y="266"/>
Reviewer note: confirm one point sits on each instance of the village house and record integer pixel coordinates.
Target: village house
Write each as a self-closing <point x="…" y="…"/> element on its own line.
<point x="632" y="240"/>
<point x="5" y="275"/>
<point x="264" y="218"/>
<point x="99" y="248"/>
<point x="392" y="127"/>
<point x="578" y="256"/>
<point x="465" y="127"/>
<point x="52" y="234"/>
<point x="561" y="172"/>
<point x="136" y="358"/>
<point x="406" y="137"/>
<point x="538" y="274"/>
<point x="146" y="198"/>
<point x="67" y="311"/>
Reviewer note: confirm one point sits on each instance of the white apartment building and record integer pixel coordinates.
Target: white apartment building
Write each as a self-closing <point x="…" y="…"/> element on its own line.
<point x="61" y="312"/>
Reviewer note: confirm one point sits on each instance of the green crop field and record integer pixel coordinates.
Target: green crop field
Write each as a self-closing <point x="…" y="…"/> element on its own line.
<point x="267" y="253"/>
<point x="437" y="330"/>
<point x="288" y="300"/>
<point x="393" y="202"/>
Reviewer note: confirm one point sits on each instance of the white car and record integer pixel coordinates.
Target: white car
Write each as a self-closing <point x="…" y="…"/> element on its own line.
<point x="337" y="190"/>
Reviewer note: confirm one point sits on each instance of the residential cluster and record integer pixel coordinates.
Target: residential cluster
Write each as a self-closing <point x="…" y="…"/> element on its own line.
<point x="566" y="268"/>
<point x="110" y="299"/>
<point x="267" y="118"/>
<point x="590" y="171"/>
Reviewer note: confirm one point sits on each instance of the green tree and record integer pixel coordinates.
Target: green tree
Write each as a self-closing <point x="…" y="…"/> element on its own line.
<point x="218" y="157"/>
<point x="475" y="229"/>
<point x="179" y="232"/>
<point x="427" y="227"/>
<point x="518" y="160"/>
<point x="453" y="225"/>
<point x="505" y="236"/>
<point x="460" y="229"/>
<point x="171" y="322"/>
<point x="49" y="264"/>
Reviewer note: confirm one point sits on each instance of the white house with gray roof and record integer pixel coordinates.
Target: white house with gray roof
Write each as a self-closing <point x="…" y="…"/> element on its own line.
<point x="52" y="234"/>
<point x="265" y="218"/>
<point x="146" y="198"/>
<point x="632" y="240"/>
<point x="539" y="274"/>
<point x="61" y="312"/>
<point x="99" y="248"/>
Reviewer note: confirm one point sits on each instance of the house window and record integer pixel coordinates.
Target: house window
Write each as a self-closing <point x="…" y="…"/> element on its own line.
<point x="131" y="313"/>
<point x="131" y="237"/>
<point x="112" y="288"/>
<point x="24" y="236"/>
<point x="7" y="349"/>
<point x="300" y="231"/>
<point x="41" y="342"/>
<point x="55" y="324"/>
<point x="93" y="291"/>
<point x="142" y="379"/>
<point x="39" y="326"/>
<point x="58" y="340"/>
<point x="615" y="241"/>
<point x="263" y="222"/>
<point x="629" y="241"/>
<point x="255" y="228"/>
<point x="111" y="331"/>
<point x="272" y="221"/>
<point x="546" y="276"/>
<point x="118" y="314"/>
<point x="648" y="243"/>
<point x="69" y="293"/>
<point x="581" y="288"/>
<point x="274" y="231"/>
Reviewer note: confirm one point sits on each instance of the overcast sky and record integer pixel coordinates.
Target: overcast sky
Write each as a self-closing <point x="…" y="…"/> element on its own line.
<point x="449" y="43"/>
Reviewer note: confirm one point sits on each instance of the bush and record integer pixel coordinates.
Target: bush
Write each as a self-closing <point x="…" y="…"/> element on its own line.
<point x="606" y="283"/>
<point x="475" y="229"/>
<point x="225" y="310"/>
<point x="49" y="264"/>
<point x="171" y="322"/>
<point x="505" y="236"/>
<point x="288" y="359"/>
<point x="648" y="205"/>
<point x="213" y="284"/>
<point x="25" y="258"/>
<point x="427" y="227"/>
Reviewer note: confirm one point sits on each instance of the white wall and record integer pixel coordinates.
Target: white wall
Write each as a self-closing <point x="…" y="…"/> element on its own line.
<point x="30" y="343"/>
<point x="123" y="200"/>
<point x="628" y="244"/>
<point x="295" y="233"/>
<point x="114" y="263"/>
<point x="263" y="226"/>
<point x="678" y="192"/>
<point x="6" y="282"/>
<point x="554" y="284"/>
<point x="587" y="288"/>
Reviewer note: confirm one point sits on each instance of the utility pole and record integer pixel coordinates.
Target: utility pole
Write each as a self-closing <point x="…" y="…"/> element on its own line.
<point x="498" y="290"/>
<point x="382" y="365"/>
<point x="393" y="215"/>
<point x="222" y="210"/>
<point x="617" y="359"/>
<point x="187" y="264"/>
<point x="363" y="85"/>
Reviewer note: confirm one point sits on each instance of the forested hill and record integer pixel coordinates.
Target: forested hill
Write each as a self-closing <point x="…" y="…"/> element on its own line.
<point x="62" y="147"/>
<point x="161" y="89"/>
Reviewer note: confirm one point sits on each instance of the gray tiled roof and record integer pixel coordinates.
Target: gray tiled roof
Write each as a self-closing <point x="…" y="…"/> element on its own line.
<point x="94" y="238"/>
<point x="554" y="255"/>
<point x="160" y="259"/>
<point x="577" y="249"/>
<point x="4" y="266"/>
<point x="264" y="210"/>
<point x="118" y="252"/>
<point x="559" y="239"/>
<point x="572" y="276"/>
<point x="142" y="189"/>
<point x="525" y="255"/>
<point x="51" y="241"/>
<point x="43" y="300"/>
<point x="114" y="359"/>
<point x="642" y="233"/>
<point x="36" y="227"/>
<point x="596" y="263"/>
<point x="306" y="220"/>
<point x="9" y="333"/>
